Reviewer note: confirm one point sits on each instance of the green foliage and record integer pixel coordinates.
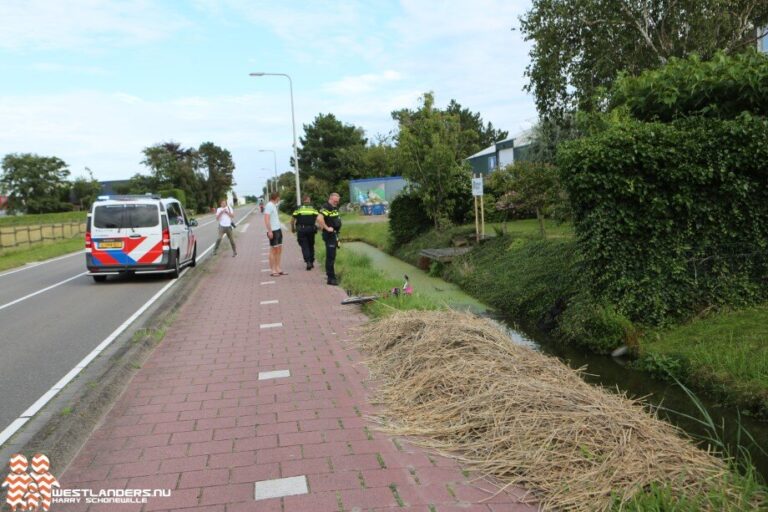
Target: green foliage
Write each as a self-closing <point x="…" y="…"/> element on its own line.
<point x="407" y="218"/>
<point x="176" y="193"/>
<point x="521" y="277"/>
<point x="722" y="87"/>
<point x="35" y="184"/>
<point x="429" y="145"/>
<point x="85" y="190"/>
<point x="672" y="218"/>
<point x="474" y="135"/>
<point x="580" y="46"/>
<point x="11" y="258"/>
<point x="217" y="178"/>
<point x="323" y="147"/>
<point x="372" y="233"/>
<point x="530" y="187"/>
<point x="597" y="326"/>
<point x="204" y="174"/>
<point x="724" y="352"/>
<point x="42" y="218"/>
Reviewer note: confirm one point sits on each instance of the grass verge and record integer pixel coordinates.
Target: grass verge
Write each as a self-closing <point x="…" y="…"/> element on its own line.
<point x="725" y="353"/>
<point x="358" y="276"/>
<point x="17" y="257"/>
<point x="42" y="218"/>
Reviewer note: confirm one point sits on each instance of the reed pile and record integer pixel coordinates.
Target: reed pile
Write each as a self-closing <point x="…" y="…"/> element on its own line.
<point x="460" y="386"/>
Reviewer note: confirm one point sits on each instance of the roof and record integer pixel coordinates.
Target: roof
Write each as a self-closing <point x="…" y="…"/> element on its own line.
<point x="387" y="178"/>
<point x="490" y="150"/>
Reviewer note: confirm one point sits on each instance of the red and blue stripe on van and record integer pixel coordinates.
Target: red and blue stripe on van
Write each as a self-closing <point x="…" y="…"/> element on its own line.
<point x="139" y="250"/>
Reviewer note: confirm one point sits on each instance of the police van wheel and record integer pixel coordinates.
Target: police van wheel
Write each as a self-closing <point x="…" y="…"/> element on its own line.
<point x="99" y="279"/>
<point x="176" y="266"/>
<point x="193" y="263"/>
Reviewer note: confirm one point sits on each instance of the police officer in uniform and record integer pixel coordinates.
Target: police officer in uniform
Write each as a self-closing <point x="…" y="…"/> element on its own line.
<point x="330" y="223"/>
<point x="303" y="224"/>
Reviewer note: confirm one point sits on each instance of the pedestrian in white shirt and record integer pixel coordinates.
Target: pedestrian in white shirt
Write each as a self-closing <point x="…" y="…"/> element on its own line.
<point x="274" y="233"/>
<point x="225" y="216"/>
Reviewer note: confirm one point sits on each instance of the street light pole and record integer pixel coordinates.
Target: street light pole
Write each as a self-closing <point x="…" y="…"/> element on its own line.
<point x="293" y="125"/>
<point x="274" y="155"/>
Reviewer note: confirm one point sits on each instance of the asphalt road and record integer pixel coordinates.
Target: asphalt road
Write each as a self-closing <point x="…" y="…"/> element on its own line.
<point x="53" y="315"/>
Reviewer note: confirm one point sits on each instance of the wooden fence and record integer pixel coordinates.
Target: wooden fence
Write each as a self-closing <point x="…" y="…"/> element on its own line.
<point x="27" y="236"/>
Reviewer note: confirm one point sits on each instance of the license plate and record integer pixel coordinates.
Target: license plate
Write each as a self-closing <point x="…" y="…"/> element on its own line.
<point x="110" y="245"/>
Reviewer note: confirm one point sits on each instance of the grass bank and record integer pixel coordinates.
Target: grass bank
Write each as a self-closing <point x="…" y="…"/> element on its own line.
<point x="42" y="218"/>
<point x="732" y="492"/>
<point x="17" y="257"/>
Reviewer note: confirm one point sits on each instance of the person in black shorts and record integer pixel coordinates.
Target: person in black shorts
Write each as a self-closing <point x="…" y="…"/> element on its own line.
<point x="274" y="233"/>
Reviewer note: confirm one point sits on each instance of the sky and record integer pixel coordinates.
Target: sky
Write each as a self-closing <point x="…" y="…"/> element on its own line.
<point x="94" y="82"/>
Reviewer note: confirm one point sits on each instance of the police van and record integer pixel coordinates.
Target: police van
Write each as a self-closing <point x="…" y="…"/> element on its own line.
<point x="138" y="234"/>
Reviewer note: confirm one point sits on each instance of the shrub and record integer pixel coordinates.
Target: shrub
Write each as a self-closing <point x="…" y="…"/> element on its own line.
<point x="672" y="218"/>
<point x="598" y="326"/>
<point x="722" y="87"/>
<point x="175" y="193"/>
<point x="407" y="218"/>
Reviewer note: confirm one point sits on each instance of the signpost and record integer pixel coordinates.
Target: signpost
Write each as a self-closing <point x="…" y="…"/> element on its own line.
<point x="477" y="191"/>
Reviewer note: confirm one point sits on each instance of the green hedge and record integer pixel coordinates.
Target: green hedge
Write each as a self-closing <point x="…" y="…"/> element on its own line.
<point x="407" y="218"/>
<point x="722" y="87"/>
<point x="672" y="218"/>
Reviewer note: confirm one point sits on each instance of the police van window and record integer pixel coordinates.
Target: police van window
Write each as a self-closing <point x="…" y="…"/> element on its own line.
<point x="184" y="214"/>
<point x="175" y="216"/>
<point x="123" y="216"/>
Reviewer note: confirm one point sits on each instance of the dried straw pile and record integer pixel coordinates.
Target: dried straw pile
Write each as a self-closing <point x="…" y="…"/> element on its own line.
<point x="460" y="385"/>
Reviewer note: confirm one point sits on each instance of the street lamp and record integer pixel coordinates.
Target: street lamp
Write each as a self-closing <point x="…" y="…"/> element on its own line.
<point x="293" y="124"/>
<point x="274" y="155"/>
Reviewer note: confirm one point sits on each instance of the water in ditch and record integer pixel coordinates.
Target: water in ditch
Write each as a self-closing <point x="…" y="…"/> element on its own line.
<point x="608" y="372"/>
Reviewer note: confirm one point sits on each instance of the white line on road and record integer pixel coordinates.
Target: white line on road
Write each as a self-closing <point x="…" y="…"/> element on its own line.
<point x="38" y="292"/>
<point x="15" y="425"/>
<point x="265" y="302"/>
<point x="245" y="228"/>
<point x="267" y="282"/>
<point x="38" y="263"/>
<point x="270" y="326"/>
<point x="48" y="395"/>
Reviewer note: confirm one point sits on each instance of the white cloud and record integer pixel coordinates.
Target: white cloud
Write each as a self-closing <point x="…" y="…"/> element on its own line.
<point x="363" y="83"/>
<point x="92" y="25"/>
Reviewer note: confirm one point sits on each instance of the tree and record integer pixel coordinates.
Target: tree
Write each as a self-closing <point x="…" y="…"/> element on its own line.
<point x="175" y="167"/>
<point x="473" y="134"/>
<point x="530" y="186"/>
<point x="219" y="168"/>
<point x="323" y="146"/>
<point x="580" y="46"/>
<point x="429" y="148"/>
<point x="85" y="190"/>
<point x="35" y="184"/>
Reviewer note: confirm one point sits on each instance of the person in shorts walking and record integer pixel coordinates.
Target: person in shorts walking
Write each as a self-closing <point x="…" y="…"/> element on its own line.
<point x="225" y="216"/>
<point x="274" y="233"/>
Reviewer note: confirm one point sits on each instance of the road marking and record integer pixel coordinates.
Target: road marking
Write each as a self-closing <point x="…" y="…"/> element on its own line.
<point x="277" y="374"/>
<point x="38" y="292"/>
<point x="280" y="487"/>
<point x="38" y="263"/>
<point x="245" y="228"/>
<point x="11" y="429"/>
<point x="270" y="326"/>
<point x="265" y="302"/>
<point x="266" y="270"/>
<point x="48" y="395"/>
<point x="267" y="282"/>
<point x="264" y="261"/>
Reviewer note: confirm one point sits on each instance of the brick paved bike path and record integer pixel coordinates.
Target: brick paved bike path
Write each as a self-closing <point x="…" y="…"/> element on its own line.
<point x="197" y="420"/>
